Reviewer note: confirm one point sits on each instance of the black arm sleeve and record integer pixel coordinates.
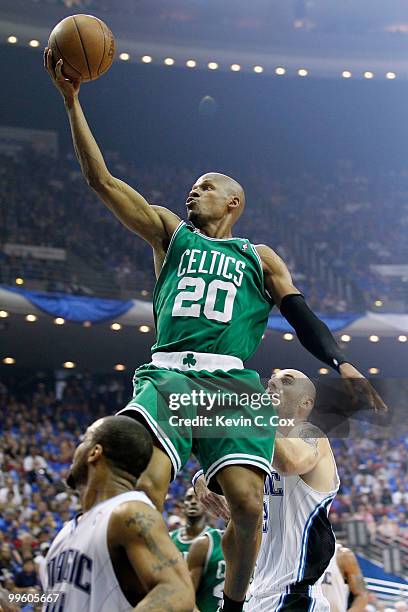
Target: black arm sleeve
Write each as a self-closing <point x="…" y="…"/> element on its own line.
<point x="313" y="334"/>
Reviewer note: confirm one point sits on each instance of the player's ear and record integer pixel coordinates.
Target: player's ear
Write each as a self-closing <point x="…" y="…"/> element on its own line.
<point x="307" y="404"/>
<point x="95" y="453"/>
<point x="234" y="202"/>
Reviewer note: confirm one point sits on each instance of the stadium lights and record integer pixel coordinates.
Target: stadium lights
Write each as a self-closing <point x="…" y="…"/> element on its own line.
<point x="373" y="338"/>
<point x="212" y="65"/>
<point x="59" y="321"/>
<point x="345" y="338"/>
<point x="323" y="371"/>
<point x="147" y="59"/>
<point x="116" y="326"/>
<point x="258" y="69"/>
<point x="12" y="40"/>
<point x="378" y="303"/>
<point x="124" y="57"/>
<point x="144" y="329"/>
<point x="9" y="361"/>
<point x="144" y="292"/>
<point x="346" y="74"/>
<point x="235" y="67"/>
<point x="3" y="314"/>
<point x="119" y="367"/>
<point x="69" y="365"/>
<point x="169" y="61"/>
<point x="368" y="74"/>
<point x="19" y="281"/>
<point x="402" y="338"/>
<point x="87" y="324"/>
<point x="34" y="43"/>
<point x="391" y="75"/>
<point x="287" y="337"/>
<point x="280" y="71"/>
<point x="373" y="370"/>
<point x="190" y="64"/>
<point x="302" y="72"/>
<point x="31" y="318"/>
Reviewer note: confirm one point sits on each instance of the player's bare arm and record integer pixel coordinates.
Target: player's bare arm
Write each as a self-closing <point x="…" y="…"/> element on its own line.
<point x="299" y="455"/>
<point x="155" y="224"/>
<point x="160" y="568"/>
<point x="196" y="559"/>
<point x="351" y="571"/>
<point x="313" y="334"/>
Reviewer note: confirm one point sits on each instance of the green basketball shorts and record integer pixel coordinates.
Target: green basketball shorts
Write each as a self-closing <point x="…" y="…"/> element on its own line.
<point x="223" y="417"/>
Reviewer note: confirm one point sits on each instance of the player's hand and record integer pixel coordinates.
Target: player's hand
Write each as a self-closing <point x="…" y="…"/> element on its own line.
<point x="360" y="388"/>
<point x="68" y="88"/>
<point x="214" y="504"/>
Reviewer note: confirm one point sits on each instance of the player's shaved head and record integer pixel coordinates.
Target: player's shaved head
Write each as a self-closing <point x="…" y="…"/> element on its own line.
<point x="231" y="187"/>
<point x="125" y="446"/>
<point x="303" y="382"/>
<point x="297" y="391"/>
<point x="213" y="199"/>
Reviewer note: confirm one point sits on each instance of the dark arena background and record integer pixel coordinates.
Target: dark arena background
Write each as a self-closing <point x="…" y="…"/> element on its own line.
<point x="305" y="103"/>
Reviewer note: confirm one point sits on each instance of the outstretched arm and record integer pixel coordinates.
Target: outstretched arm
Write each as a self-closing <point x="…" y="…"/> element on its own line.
<point x="153" y="223"/>
<point x="141" y="532"/>
<point x="313" y="334"/>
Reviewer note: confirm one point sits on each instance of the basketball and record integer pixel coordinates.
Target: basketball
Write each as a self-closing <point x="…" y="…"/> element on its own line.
<point x="85" y="44"/>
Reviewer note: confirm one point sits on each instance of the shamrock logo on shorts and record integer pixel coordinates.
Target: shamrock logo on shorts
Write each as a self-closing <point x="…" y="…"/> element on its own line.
<point x="189" y="360"/>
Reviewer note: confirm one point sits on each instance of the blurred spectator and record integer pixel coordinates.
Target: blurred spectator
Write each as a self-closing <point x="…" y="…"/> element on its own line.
<point x="36" y="421"/>
<point x="330" y="230"/>
<point x="27" y="577"/>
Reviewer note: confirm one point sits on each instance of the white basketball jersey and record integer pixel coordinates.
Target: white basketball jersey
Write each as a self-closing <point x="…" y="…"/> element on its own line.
<point x="297" y="538"/>
<point x="78" y="564"/>
<point x="334" y="587"/>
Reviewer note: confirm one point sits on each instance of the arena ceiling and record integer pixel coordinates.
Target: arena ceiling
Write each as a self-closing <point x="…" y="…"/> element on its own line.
<point x="45" y="345"/>
<point x="326" y="38"/>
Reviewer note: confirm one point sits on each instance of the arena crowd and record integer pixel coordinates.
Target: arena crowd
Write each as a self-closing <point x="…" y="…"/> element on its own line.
<point x="40" y="424"/>
<point x="343" y="220"/>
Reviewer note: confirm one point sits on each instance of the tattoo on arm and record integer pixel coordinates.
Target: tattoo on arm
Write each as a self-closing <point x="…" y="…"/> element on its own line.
<point x="359" y="584"/>
<point x="158" y="599"/>
<point x="144" y="525"/>
<point x="310" y="435"/>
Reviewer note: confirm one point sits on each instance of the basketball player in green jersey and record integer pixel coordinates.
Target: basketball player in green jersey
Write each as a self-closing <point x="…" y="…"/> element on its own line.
<point x="211" y="306"/>
<point x="206" y="563"/>
<point x="196" y="524"/>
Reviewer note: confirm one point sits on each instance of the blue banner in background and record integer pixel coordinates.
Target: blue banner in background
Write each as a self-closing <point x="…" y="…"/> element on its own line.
<point x="78" y="308"/>
<point x="333" y="322"/>
<point x="75" y="308"/>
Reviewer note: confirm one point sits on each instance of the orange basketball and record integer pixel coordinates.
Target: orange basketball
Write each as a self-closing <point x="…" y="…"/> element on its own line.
<point x="85" y="44"/>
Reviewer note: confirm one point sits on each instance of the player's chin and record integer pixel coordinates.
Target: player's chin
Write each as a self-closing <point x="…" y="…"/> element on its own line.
<point x="195" y="513"/>
<point x="195" y="218"/>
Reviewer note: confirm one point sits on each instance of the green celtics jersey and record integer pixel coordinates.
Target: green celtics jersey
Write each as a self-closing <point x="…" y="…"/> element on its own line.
<point x="209" y="594"/>
<point x="210" y="296"/>
<point x="182" y="542"/>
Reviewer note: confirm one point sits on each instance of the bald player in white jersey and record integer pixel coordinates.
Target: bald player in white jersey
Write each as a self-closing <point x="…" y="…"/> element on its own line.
<point x="117" y="555"/>
<point x="297" y="539"/>
<point x="343" y="583"/>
